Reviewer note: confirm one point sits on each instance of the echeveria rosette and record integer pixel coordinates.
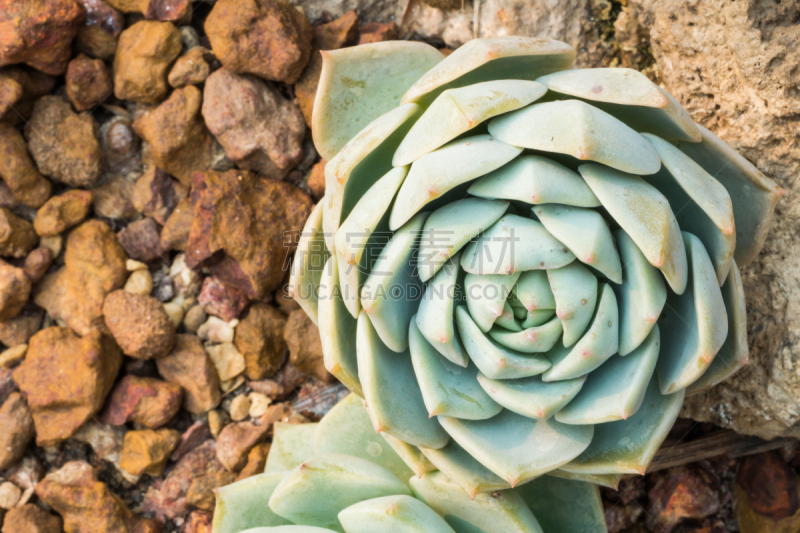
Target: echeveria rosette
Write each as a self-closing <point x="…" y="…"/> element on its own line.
<point x="572" y="349"/>
<point x="338" y="475"/>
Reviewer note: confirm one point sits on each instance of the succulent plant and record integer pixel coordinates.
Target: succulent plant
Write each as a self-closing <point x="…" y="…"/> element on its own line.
<point x="338" y="475"/>
<point x="523" y="269"/>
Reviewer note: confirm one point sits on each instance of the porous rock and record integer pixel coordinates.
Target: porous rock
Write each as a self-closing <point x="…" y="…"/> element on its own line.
<point x="146" y="451"/>
<point x="143" y="57"/>
<point x="305" y="349"/>
<point x="88" y="82"/>
<point x="17" y="170"/>
<point x="98" y="35"/>
<point x="15" y="287"/>
<point x="30" y="518"/>
<point x="17" y="236"/>
<point x="62" y="212"/>
<point x="149" y="402"/>
<point x="173" y="10"/>
<point x="190" y="367"/>
<point x="139" y="324"/>
<point x="141" y="240"/>
<point x="221" y="299"/>
<point x="18" y="430"/>
<point x="191" y="68"/>
<point x="259" y="338"/>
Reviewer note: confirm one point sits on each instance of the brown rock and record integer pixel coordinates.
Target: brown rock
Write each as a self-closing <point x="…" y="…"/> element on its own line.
<point x="144" y="54"/>
<point x="18" y="171"/>
<point x="17" y="236"/>
<point x="375" y="32"/>
<point x="114" y="199"/>
<point x="221" y="299"/>
<point x="246" y="218"/>
<point x="766" y="495"/>
<point x="259" y="337"/>
<point x="191" y="68"/>
<point x="88" y="82"/>
<point x="121" y="147"/>
<point x="65" y="379"/>
<point x="139" y="324"/>
<point x="63" y="143"/>
<point x="34" y="84"/>
<point x="145" y="401"/>
<point x="316" y="180"/>
<point x="15" y="287"/>
<point x="20" y="329"/>
<point x="30" y="518"/>
<point x="98" y="35"/>
<point x="179" y="141"/>
<point x="141" y="240"/>
<point x="268" y="38"/>
<point x="681" y="493"/>
<point x="62" y="212"/>
<point x="259" y="129"/>
<point x="256" y="461"/>
<point x="191" y="482"/>
<point x="37" y="262"/>
<point x="86" y="504"/>
<point x="146" y="451"/>
<point x="305" y="348"/>
<point x="172" y="10"/>
<point x="11" y="92"/>
<point x="197" y="434"/>
<point x="237" y="439"/>
<point x="175" y="233"/>
<point x="190" y="367"/>
<point x="18" y="431"/>
<point x="156" y="194"/>
<point x="94" y="266"/>
<point x="198" y="522"/>
<point x="330" y="36"/>
<point x="39" y="32"/>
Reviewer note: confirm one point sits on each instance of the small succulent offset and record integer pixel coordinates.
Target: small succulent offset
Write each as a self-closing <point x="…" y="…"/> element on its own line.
<point x="523" y="269"/>
<point x="338" y="475"/>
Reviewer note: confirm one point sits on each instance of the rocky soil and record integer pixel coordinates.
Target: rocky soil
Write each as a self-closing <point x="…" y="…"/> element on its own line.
<point x="156" y="166"/>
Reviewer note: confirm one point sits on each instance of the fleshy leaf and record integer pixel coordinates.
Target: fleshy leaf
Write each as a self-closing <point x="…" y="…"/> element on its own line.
<point x="600" y="342"/>
<point x="447" y="388"/>
<point x="436" y="315"/>
<point x="291" y="445"/>
<point x="507" y="320"/>
<point x="586" y="234"/>
<point x="337" y="330"/>
<point x="411" y="455"/>
<point x="518" y="448"/>
<point x="502" y="511"/>
<point x="578" y="129"/>
<point x="604" y="480"/>
<point x="457" y="111"/>
<point x="640" y="297"/>
<point x="498" y="58"/>
<point x="361" y="83"/>
<point x="244" y="504"/>
<point x="486" y="296"/>
<point x="332" y="482"/>
<point x="362" y="162"/>
<point x="394" y="401"/>
<point x="616" y="389"/>
<point x="536" y="339"/>
<point x="363" y="234"/>
<point x="574" y="288"/>
<point x="492" y="359"/>
<point x="392" y="514"/>
<point x="699" y="201"/>
<point x="462" y="468"/>
<point x="537" y="317"/>
<point x="629" y="96"/>
<point x="533" y="290"/>
<point x="532" y="397"/>
<point x="645" y="215"/>
<point x="535" y="180"/>
<point x="308" y="263"/>
<point x="391" y="294"/>
<point x="347" y="429"/>
<point x="628" y="446"/>
<point x="695" y="323"/>
<point x="515" y="244"/>
<point x="563" y="505"/>
<point x="734" y="352"/>
<point x="753" y="195"/>
<point x="455" y="163"/>
<point x="289" y="529"/>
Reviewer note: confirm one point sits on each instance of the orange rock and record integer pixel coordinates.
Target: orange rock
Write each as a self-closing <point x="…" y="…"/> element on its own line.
<point x="94" y="266"/>
<point x="256" y="461"/>
<point x="39" y="32"/>
<point x="198" y="522"/>
<point x="139" y="324"/>
<point x="21" y="328"/>
<point x="179" y="141"/>
<point x="98" y="35"/>
<point x="88" y="82"/>
<point x="37" y="262"/>
<point x="175" y="233"/>
<point x="86" y="504"/>
<point x="681" y="493"/>
<point x="268" y="38"/>
<point x="31" y="518"/>
<point x="66" y="379"/>
<point x="330" y="36"/>
<point x="190" y="367"/>
<point x="62" y="212"/>
<point x="15" y="287"/>
<point x="305" y="348"/>
<point x="191" y="68"/>
<point x="767" y="495"/>
<point x="259" y="337"/>
<point x="18" y="431"/>
<point x="17" y="236"/>
<point x="237" y="439"/>
<point x="63" y="143"/>
<point x="18" y="171"/>
<point x="146" y="451"/>
<point x="316" y="180"/>
<point x="375" y="32"/>
<point x="156" y="194"/>
<point x="149" y="402"/>
<point x="173" y="10"/>
<point x="144" y="54"/>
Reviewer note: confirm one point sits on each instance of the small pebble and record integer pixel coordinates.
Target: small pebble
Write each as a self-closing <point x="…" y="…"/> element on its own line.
<point x="217" y="420"/>
<point x="189" y="302"/>
<point x="139" y="282"/>
<point x="194" y="318"/>
<point x="13" y="356"/>
<point x="259" y="403"/>
<point x="227" y="359"/>
<point x="9" y="495"/>
<point x="240" y="408"/>
<point x="215" y="330"/>
<point x="231" y="384"/>
<point x="132" y="265"/>
<point x="53" y="243"/>
<point x="175" y="313"/>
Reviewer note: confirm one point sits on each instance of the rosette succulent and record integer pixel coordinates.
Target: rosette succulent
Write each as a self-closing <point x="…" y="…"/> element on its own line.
<point x="521" y="268"/>
<point x="338" y="475"/>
